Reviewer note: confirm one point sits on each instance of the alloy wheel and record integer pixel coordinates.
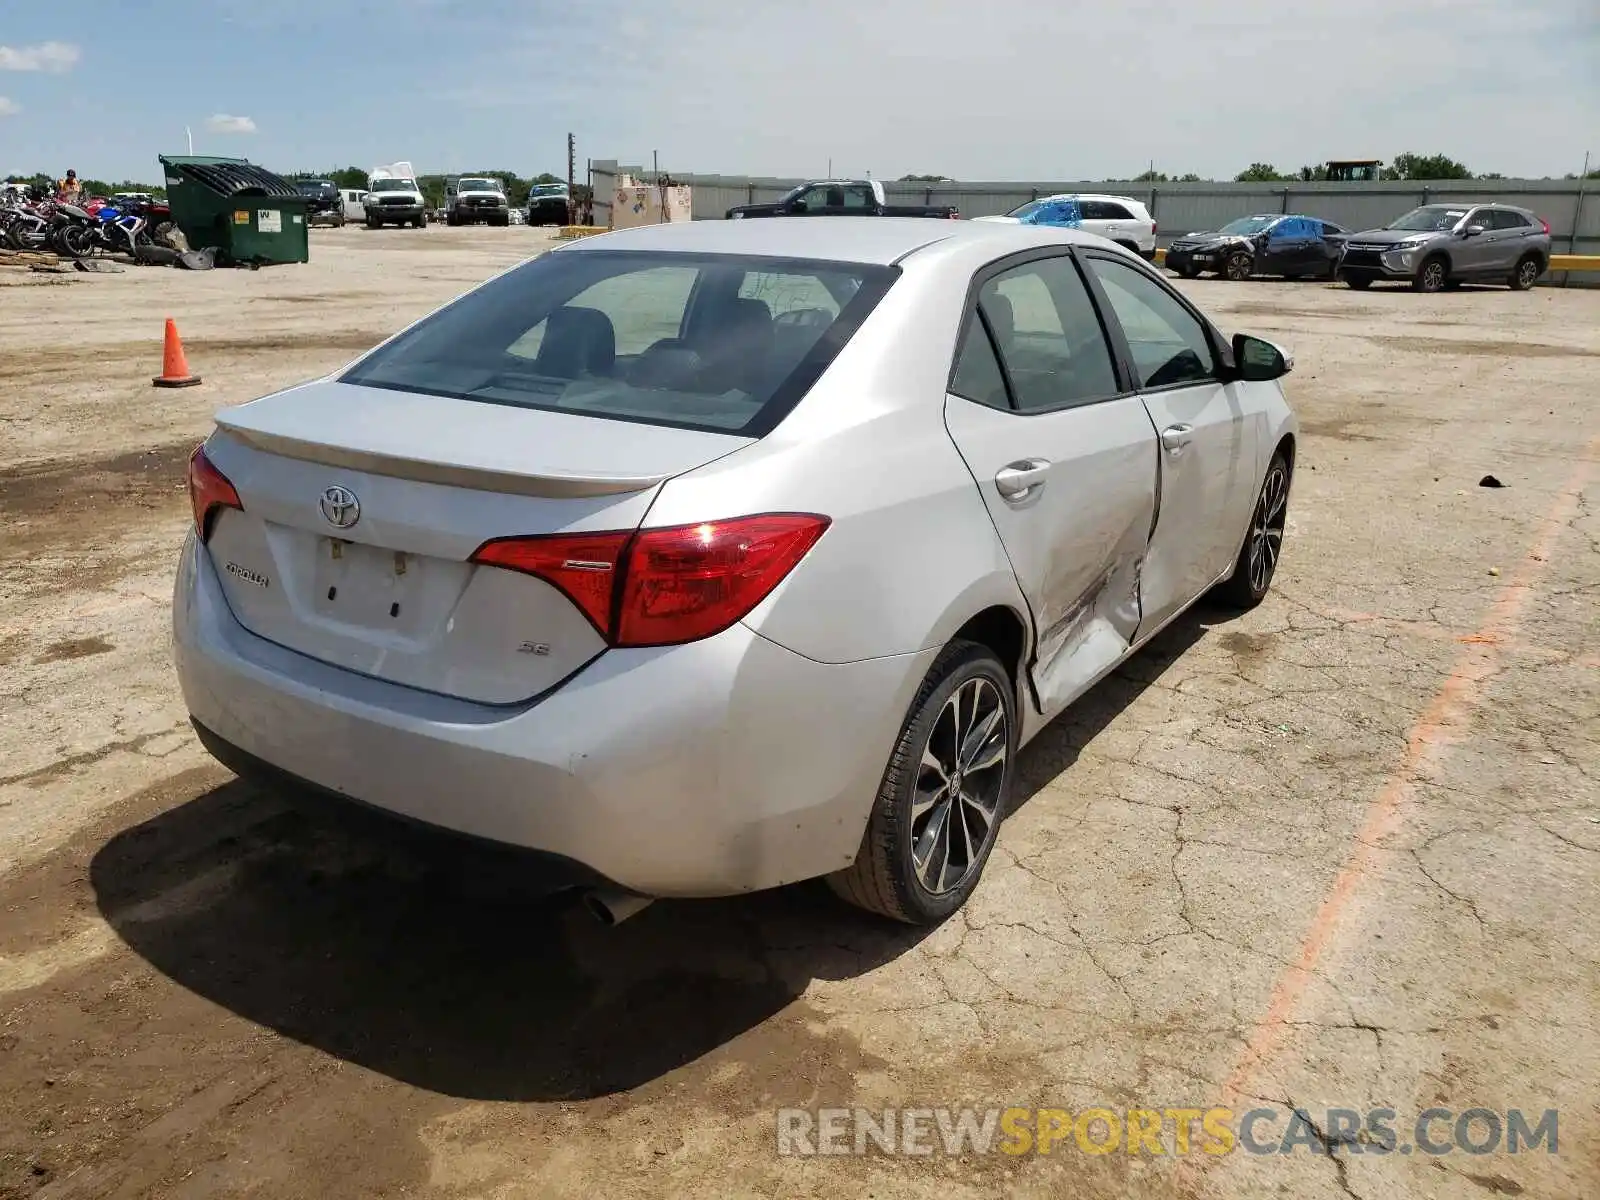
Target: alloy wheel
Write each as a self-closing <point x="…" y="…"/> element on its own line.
<point x="1266" y="527"/>
<point x="1528" y="274"/>
<point x="1433" y="276"/>
<point x="1239" y="267"/>
<point x="956" y="801"/>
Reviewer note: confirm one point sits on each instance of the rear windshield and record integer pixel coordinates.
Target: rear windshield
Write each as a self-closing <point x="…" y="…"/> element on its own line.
<point x="723" y="343"/>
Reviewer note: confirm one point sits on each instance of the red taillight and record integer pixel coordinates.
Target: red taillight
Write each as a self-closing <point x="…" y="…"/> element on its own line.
<point x="209" y="490"/>
<point x="584" y="566"/>
<point x="1546" y="225"/>
<point x="665" y="586"/>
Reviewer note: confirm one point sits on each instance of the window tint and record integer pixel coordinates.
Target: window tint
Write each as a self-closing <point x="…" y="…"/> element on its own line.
<point x="614" y="334"/>
<point x="1105" y="210"/>
<point x="1504" y="218"/>
<point x="977" y="374"/>
<point x="1049" y="337"/>
<point x="1168" y="343"/>
<point x="1329" y="229"/>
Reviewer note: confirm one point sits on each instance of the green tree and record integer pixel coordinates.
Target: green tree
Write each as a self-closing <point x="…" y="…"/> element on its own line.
<point x="1191" y="177"/>
<point x="1425" y="166"/>
<point x="922" y="179"/>
<point x="1150" y="177"/>
<point x="1259" y="173"/>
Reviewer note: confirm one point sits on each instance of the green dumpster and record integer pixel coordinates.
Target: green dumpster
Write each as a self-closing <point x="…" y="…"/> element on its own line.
<point x="247" y="214"/>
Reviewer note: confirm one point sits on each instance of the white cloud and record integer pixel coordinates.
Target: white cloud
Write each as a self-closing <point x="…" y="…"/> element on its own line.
<point x="8" y="107"/>
<point x="54" y="57"/>
<point x="223" y="123"/>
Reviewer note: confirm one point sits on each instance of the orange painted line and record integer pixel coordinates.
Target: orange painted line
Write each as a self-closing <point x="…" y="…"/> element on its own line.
<point x="1436" y="728"/>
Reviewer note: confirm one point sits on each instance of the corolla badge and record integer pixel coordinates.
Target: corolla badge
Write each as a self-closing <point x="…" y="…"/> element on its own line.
<point x="340" y="507"/>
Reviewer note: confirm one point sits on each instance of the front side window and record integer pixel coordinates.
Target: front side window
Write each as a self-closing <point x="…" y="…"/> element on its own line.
<point x="1051" y="344"/>
<point x="691" y="340"/>
<point x="1168" y="343"/>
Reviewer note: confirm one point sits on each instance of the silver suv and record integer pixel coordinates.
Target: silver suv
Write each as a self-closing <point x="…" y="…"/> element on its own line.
<point x="1440" y="246"/>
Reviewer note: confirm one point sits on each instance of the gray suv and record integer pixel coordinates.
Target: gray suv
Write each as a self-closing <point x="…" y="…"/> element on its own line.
<point x="1440" y="246"/>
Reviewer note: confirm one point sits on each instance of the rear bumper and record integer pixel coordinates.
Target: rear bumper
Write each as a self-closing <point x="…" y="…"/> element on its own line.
<point x="724" y="766"/>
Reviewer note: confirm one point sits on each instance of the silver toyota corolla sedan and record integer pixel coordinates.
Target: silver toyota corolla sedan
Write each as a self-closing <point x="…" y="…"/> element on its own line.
<point x="709" y="557"/>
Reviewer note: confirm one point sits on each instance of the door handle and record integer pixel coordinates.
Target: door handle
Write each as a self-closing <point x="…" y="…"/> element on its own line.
<point x="1175" y="437"/>
<point x="1019" y="480"/>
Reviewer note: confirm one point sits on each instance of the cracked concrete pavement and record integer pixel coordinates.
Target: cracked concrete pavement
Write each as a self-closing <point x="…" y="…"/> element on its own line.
<point x="1341" y="852"/>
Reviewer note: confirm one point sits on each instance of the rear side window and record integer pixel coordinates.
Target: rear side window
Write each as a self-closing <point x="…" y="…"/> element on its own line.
<point x="977" y="374"/>
<point x="1504" y="218"/>
<point x="1105" y="210"/>
<point x="717" y="342"/>
<point x="1051" y="344"/>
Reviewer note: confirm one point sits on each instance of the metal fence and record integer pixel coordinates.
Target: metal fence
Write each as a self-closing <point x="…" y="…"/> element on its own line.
<point x="1569" y="205"/>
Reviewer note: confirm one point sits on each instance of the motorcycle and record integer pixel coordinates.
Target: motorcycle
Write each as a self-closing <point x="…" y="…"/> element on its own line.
<point x="73" y="232"/>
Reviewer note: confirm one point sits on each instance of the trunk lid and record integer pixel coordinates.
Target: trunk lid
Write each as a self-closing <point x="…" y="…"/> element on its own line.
<point x="363" y="507"/>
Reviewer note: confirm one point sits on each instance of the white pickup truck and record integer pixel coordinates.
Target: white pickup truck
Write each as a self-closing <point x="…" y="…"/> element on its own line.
<point x="393" y="197"/>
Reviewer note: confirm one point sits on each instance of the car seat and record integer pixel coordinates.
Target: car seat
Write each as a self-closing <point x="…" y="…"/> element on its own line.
<point x="577" y="342"/>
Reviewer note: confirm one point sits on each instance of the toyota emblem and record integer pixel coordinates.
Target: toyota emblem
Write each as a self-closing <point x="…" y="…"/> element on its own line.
<point x="340" y="507"/>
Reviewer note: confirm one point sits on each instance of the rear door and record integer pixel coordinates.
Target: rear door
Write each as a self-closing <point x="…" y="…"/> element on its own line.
<point x="1207" y="446"/>
<point x="1064" y="455"/>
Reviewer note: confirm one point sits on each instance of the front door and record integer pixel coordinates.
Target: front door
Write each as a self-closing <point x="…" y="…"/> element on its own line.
<point x="1065" y="459"/>
<point x="1207" y="447"/>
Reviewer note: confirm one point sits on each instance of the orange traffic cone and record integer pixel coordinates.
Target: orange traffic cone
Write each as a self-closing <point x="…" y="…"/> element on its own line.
<point x="174" y="364"/>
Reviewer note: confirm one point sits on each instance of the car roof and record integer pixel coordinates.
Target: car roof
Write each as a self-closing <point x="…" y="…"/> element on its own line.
<point x="875" y="240"/>
<point x="1092" y="196"/>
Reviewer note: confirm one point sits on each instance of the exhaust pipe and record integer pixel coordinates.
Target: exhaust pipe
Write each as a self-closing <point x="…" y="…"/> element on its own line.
<point x="612" y="908"/>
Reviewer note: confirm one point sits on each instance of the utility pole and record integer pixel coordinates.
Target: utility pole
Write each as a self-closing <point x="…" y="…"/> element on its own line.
<point x="572" y="170"/>
<point x="655" y="165"/>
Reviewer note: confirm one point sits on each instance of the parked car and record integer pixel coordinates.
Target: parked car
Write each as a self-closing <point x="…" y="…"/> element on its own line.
<point x="840" y="198"/>
<point x="324" y="203"/>
<point x="394" y="198"/>
<point x="1289" y="244"/>
<point x="1122" y="219"/>
<point x="547" y="204"/>
<point x="1442" y="246"/>
<point x="704" y="558"/>
<point x="476" y="198"/>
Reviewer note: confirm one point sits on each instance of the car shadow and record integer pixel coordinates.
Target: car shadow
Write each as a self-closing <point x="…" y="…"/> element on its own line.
<point x="440" y="965"/>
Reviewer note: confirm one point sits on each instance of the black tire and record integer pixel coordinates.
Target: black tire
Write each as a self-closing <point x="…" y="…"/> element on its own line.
<point x="1432" y="275"/>
<point x="1359" y="282"/>
<point x="452" y="219"/>
<point x="74" y="241"/>
<point x="1258" y="559"/>
<point x="374" y="223"/>
<point x="885" y="878"/>
<point x="1238" y="267"/>
<point x="1529" y="268"/>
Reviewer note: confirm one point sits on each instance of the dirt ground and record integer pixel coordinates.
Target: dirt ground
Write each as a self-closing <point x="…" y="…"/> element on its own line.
<point x="1343" y="851"/>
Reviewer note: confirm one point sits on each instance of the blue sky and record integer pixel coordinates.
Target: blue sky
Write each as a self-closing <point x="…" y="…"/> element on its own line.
<point x="1056" y="89"/>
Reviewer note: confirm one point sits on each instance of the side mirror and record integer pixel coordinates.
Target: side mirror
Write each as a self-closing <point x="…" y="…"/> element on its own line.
<point x="1473" y="230"/>
<point x="1259" y="361"/>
